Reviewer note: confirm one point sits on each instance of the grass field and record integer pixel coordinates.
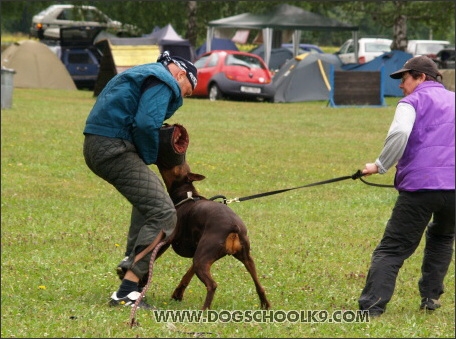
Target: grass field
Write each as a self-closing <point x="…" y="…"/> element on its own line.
<point x="63" y="229"/>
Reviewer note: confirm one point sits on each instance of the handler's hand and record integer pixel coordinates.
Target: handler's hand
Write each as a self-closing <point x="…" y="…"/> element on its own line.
<point x="370" y="168"/>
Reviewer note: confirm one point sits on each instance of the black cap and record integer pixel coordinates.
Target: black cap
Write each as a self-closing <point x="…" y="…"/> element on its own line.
<point x="183" y="64"/>
<point x="421" y="64"/>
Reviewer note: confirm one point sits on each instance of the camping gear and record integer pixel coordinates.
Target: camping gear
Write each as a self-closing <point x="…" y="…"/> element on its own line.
<point x="36" y="66"/>
<point x="305" y="78"/>
<point x="283" y="17"/>
<point x="390" y="62"/>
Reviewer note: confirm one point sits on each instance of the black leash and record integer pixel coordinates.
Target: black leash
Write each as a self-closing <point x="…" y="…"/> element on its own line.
<point x="357" y="175"/>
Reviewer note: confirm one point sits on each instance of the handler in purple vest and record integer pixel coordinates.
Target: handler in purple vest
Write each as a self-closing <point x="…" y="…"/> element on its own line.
<point x="421" y="141"/>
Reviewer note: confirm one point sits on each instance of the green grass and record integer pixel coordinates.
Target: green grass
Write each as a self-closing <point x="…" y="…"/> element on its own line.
<point x="64" y="229"/>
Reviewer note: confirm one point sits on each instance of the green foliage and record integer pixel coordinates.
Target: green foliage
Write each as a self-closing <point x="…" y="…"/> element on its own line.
<point x="63" y="229"/>
<point x="426" y="19"/>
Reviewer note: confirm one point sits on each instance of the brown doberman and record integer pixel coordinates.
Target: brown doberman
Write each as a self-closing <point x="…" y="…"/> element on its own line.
<point x="206" y="231"/>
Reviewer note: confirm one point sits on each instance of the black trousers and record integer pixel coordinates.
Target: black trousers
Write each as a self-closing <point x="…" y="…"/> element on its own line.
<point x="117" y="162"/>
<point x="412" y="216"/>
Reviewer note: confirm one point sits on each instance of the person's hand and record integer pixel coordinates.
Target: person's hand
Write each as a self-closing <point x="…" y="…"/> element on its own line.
<point x="370" y="168"/>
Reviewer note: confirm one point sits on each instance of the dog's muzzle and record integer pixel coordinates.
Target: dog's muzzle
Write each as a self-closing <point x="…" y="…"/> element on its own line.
<point x="174" y="142"/>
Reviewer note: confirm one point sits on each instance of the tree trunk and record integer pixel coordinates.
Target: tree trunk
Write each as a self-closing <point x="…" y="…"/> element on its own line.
<point x="192" y="32"/>
<point x="400" y="33"/>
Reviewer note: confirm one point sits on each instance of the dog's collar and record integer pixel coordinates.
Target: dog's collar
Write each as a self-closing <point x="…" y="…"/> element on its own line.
<point x="189" y="197"/>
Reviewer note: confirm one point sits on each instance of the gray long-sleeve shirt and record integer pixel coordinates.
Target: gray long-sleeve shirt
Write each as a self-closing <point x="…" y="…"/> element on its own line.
<point x="397" y="137"/>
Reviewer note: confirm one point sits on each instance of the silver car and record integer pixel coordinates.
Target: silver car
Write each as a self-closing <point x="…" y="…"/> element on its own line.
<point x="57" y="16"/>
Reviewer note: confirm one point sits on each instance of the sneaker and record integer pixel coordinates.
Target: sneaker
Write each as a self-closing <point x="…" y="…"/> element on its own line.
<point x="429" y="304"/>
<point x="129" y="300"/>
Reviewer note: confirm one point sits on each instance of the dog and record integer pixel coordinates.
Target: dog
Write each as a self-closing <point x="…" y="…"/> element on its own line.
<point x="206" y="231"/>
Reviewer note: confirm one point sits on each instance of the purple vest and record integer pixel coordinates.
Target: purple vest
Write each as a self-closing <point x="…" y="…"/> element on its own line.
<point x="428" y="159"/>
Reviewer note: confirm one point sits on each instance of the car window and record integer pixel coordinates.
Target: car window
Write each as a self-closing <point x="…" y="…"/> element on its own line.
<point x="428" y="48"/>
<point x="213" y="60"/>
<point x="377" y="47"/>
<point x="344" y="47"/>
<point x="201" y="61"/>
<point x="351" y="48"/>
<point x="94" y="15"/>
<point x="243" y="60"/>
<point x="80" y="58"/>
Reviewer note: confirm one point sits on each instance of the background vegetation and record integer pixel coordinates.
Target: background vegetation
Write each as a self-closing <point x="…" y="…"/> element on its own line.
<point x="63" y="229"/>
<point x="424" y="19"/>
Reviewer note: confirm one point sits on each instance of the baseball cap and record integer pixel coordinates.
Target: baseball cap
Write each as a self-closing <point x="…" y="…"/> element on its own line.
<point x="165" y="58"/>
<point x="421" y="64"/>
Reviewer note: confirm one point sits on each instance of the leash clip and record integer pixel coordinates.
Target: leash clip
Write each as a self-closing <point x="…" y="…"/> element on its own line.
<point x="233" y="200"/>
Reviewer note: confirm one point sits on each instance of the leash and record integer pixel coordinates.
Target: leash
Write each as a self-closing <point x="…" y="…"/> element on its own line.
<point x="133" y="321"/>
<point x="357" y="175"/>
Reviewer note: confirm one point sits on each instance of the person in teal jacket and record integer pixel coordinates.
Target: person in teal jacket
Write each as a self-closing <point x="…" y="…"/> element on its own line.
<point x="121" y="139"/>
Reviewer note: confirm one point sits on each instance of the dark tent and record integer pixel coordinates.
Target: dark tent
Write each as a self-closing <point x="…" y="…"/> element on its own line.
<point x="169" y="40"/>
<point x="217" y="43"/>
<point x="278" y="56"/>
<point x="305" y="78"/>
<point x="391" y="61"/>
<point x="283" y="17"/>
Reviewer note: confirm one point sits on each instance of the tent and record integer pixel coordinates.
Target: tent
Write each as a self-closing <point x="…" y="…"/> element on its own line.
<point x="36" y="66"/>
<point x="391" y="62"/>
<point x="305" y="78"/>
<point x="217" y="43"/>
<point x="283" y="17"/>
<point x="169" y="40"/>
<point x="278" y="56"/>
<point x="120" y="54"/>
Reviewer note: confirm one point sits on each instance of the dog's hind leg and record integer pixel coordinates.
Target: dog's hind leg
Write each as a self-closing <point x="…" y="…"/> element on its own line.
<point x="180" y="289"/>
<point x="244" y="257"/>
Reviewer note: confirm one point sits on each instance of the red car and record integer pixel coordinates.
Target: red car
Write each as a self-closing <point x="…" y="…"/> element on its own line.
<point x="233" y="74"/>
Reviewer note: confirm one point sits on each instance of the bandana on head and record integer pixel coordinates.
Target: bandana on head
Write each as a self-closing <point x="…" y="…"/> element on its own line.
<point x="183" y="64"/>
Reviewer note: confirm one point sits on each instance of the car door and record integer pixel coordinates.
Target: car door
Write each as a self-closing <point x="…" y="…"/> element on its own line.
<point x="347" y="52"/>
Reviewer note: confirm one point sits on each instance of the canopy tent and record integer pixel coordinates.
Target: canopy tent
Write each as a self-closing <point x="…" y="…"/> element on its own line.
<point x="282" y="17"/>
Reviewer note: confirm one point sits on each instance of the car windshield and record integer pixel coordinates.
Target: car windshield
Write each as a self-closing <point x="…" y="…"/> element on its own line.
<point x="243" y="60"/>
<point x="377" y="47"/>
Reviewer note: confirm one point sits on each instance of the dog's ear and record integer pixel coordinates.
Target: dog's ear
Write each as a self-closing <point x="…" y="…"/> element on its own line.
<point x="195" y="177"/>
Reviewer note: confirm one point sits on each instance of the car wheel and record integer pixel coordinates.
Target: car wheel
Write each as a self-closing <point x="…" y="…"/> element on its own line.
<point x="215" y="93"/>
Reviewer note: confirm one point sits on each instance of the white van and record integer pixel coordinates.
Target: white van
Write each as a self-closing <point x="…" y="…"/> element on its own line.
<point x="368" y="49"/>
<point x="426" y="47"/>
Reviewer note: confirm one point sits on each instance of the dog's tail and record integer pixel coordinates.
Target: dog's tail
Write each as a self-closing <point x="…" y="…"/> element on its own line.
<point x="232" y="243"/>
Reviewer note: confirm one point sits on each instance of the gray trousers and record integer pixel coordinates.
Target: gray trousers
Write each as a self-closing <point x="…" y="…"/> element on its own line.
<point x="411" y="216"/>
<point x="117" y="162"/>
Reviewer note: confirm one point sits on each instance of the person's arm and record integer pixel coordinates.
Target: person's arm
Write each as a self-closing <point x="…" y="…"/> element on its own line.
<point x="396" y="140"/>
<point x="152" y="110"/>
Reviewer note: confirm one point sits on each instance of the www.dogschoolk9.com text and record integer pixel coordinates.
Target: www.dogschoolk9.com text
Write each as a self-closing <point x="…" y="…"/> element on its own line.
<point x="262" y="316"/>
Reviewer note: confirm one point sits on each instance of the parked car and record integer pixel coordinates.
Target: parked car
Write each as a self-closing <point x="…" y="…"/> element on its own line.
<point x="368" y="49"/>
<point x="429" y="48"/>
<point x="79" y="55"/>
<point x="233" y="74"/>
<point x="58" y="16"/>
<point x="445" y="58"/>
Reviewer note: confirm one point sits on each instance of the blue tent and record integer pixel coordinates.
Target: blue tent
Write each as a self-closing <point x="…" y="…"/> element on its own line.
<point x="391" y="61"/>
<point x="217" y="43"/>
